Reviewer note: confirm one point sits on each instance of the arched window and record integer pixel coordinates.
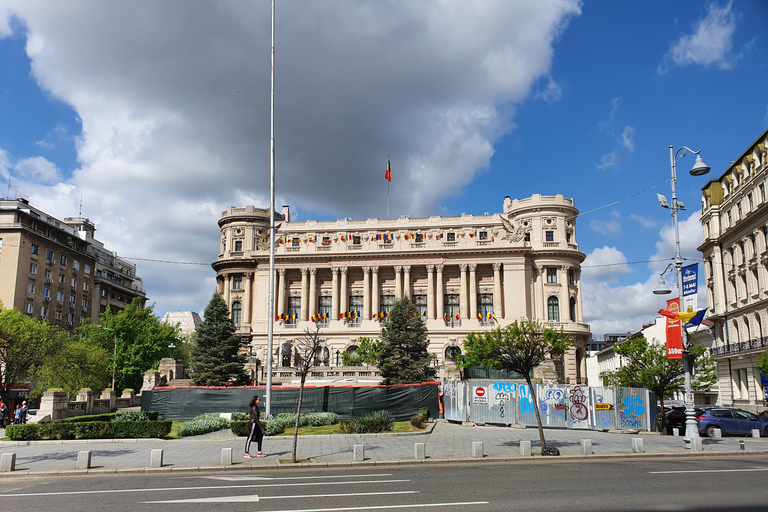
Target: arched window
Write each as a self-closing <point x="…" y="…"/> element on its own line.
<point x="237" y="313"/>
<point x="452" y="352"/>
<point x="286" y="353"/>
<point x="553" y="307"/>
<point x="573" y="309"/>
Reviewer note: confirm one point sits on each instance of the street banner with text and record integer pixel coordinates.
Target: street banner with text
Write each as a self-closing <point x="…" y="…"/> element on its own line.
<point x="674" y="337"/>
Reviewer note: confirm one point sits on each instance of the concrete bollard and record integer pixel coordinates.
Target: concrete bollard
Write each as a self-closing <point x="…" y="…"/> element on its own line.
<point x="226" y="456"/>
<point x="359" y="453"/>
<point x="696" y="444"/>
<point x="477" y="449"/>
<point x="84" y="460"/>
<point x="525" y="448"/>
<point x="586" y="447"/>
<point x="675" y="432"/>
<point x="637" y="444"/>
<point x="755" y="432"/>
<point x="717" y="433"/>
<point x="418" y="451"/>
<point x="156" y="459"/>
<point x="7" y="462"/>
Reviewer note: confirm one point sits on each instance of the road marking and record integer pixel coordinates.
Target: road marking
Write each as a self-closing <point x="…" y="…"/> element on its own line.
<point x="385" y="507"/>
<point x="706" y="471"/>
<point x="255" y="497"/>
<point x="203" y="487"/>
<point x="261" y="478"/>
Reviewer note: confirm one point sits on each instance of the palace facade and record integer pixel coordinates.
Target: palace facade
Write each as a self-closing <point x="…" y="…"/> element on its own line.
<point x="735" y="249"/>
<point x="465" y="273"/>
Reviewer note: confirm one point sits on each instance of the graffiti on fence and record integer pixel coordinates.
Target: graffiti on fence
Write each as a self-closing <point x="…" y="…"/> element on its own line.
<point x="551" y="404"/>
<point x="578" y="404"/>
<point x="524" y="399"/>
<point x="632" y="411"/>
<point x="601" y="417"/>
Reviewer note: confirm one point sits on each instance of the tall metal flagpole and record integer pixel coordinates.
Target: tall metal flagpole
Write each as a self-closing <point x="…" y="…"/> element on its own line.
<point x="272" y="234"/>
<point x="389" y="181"/>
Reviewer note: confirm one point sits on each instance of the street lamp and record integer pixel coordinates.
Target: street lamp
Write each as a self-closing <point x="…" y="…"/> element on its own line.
<point x="171" y="347"/>
<point x="699" y="169"/>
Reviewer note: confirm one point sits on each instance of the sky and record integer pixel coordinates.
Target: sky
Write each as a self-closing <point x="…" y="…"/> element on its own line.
<point x="155" y="116"/>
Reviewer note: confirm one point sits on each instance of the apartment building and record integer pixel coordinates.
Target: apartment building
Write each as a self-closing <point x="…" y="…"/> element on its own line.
<point x="465" y="273"/>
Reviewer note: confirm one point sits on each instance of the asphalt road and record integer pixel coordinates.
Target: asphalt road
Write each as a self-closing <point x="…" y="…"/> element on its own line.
<point x="734" y="483"/>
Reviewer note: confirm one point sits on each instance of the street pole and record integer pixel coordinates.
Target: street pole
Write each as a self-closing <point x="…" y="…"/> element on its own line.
<point x="272" y="234"/>
<point x="114" y="361"/>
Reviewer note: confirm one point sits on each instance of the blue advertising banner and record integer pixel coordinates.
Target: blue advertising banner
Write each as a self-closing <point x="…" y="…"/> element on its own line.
<point x="690" y="279"/>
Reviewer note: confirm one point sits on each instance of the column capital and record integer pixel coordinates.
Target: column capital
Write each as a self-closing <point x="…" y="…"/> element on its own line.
<point x="344" y="270"/>
<point x="407" y="269"/>
<point x="303" y="272"/>
<point x="398" y="268"/>
<point x="375" y="270"/>
<point x="366" y="270"/>
<point x="497" y="266"/>
<point x="247" y="275"/>
<point x="335" y="270"/>
<point x="430" y="268"/>
<point x="439" y="268"/>
<point x="463" y="267"/>
<point x="313" y="271"/>
<point x="472" y="267"/>
<point x="281" y="271"/>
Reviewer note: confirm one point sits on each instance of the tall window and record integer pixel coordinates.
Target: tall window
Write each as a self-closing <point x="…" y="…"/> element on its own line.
<point x="1" y="245"/>
<point x="450" y="237"/>
<point x="553" y="309"/>
<point x="294" y="311"/>
<point x="573" y="309"/>
<point x="356" y="308"/>
<point x="75" y="265"/>
<point x="551" y="275"/>
<point x="571" y="277"/>
<point x="385" y="303"/>
<point x="485" y="307"/>
<point x="30" y="288"/>
<point x="325" y="308"/>
<point x="451" y="307"/>
<point x="32" y="268"/>
<point x="63" y="260"/>
<point x="237" y="282"/>
<point x="238" y="246"/>
<point x="286" y="351"/>
<point x="49" y="255"/>
<point x="35" y="249"/>
<point x="46" y="292"/>
<point x="420" y="301"/>
<point x="237" y="312"/>
<point x="549" y="236"/>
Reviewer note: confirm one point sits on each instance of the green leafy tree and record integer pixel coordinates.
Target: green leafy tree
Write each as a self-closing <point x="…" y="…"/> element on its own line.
<point x="77" y="365"/>
<point x="215" y="355"/>
<point x="368" y="352"/>
<point x="647" y="366"/>
<point x="135" y="339"/>
<point x="404" y="358"/>
<point x="519" y="347"/>
<point x="25" y="344"/>
<point x="763" y="361"/>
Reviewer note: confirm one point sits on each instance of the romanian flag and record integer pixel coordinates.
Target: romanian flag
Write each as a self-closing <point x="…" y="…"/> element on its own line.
<point x="480" y="317"/>
<point x="445" y="317"/>
<point x="388" y="172"/>
<point x="277" y="318"/>
<point x="457" y="316"/>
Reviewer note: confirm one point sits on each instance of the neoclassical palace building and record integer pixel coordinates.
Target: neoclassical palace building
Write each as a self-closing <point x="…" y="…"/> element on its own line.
<point x="467" y="273"/>
<point x="735" y="249"/>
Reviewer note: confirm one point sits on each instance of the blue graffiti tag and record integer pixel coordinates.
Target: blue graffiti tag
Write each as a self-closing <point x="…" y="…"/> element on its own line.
<point x="633" y="405"/>
<point x="504" y="387"/>
<point x="526" y="404"/>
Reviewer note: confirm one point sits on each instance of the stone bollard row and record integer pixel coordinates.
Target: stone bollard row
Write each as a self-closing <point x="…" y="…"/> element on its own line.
<point x="226" y="456"/>
<point x="525" y="448"/>
<point x="696" y="444"/>
<point x="156" y="459"/>
<point x="84" y="460"/>
<point x="637" y="445"/>
<point x="418" y="451"/>
<point x="477" y="449"/>
<point x="755" y="432"/>
<point x="7" y="462"/>
<point x="359" y="453"/>
<point x="586" y="447"/>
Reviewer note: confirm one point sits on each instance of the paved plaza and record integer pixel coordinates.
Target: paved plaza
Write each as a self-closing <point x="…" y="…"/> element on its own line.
<point x="443" y="442"/>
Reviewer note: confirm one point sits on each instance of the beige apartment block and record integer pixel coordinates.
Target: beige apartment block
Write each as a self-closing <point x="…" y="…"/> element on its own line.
<point x="735" y="249"/>
<point x="465" y="273"/>
<point x="56" y="270"/>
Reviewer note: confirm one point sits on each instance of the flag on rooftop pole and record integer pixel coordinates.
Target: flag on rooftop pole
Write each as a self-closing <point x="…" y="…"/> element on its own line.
<point x="388" y="177"/>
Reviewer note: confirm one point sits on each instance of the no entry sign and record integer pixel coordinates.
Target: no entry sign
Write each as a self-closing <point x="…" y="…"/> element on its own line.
<point x="480" y="395"/>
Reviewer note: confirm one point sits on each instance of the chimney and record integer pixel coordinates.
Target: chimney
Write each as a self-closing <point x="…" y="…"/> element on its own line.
<point x="286" y="213"/>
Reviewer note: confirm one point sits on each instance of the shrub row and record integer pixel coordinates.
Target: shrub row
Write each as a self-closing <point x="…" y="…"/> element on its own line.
<point x="377" y="421"/>
<point x="88" y="430"/>
<point x="278" y="425"/>
<point x="112" y="416"/>
<point x="203" y="424"/>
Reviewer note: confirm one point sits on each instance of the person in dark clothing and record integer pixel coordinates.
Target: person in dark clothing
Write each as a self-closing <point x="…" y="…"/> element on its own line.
<point x="255" y="430"/>
<point x="24" y="412"/>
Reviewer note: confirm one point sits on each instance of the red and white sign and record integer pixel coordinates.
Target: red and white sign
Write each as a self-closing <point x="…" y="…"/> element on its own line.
<point x="480" y="396"/>
<point x="674" y="337"/>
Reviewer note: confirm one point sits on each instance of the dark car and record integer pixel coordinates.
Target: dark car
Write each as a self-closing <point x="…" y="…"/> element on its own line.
<point x="675" y="418"/>
<point x="730" y="421"/>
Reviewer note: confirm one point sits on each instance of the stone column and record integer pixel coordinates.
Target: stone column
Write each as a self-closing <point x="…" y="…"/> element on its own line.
<point x="463" y="298"/>
<point x="281" y="288"/>
<point x="407" y="281"/>
<point x="540" y="300"/>
<point x="312" y="291"/>
<point x="579" y="313"/>
<point x="220" y="285"/>
<point x="439" y="303"/>
<point x="398" y="282"/>
<point x="497" y="291"/>
<point x="227" y="287"/>
<point x="366" y="293"/>
<point x="304" y="296"/>
<point x="344" y="291"/>
<point x="565" y="296"/>
<point x="375" y="293"/>
<point x="473" y="291"/>
<point x="335" y="294"/>
<point x="247" y="298"/>
<point x="430" y="292"/>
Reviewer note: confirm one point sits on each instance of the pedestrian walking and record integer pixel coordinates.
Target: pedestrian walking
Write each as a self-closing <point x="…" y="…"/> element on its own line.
<point x="255" y="430"/>
<point x="17" y="415"/>
<point x="24" y="412"/>
<point x="2" y="415"/>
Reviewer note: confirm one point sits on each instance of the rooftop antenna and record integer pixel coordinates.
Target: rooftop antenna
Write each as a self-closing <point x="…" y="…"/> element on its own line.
<point x="9" y="185"/>
<point x="80" y="213"/>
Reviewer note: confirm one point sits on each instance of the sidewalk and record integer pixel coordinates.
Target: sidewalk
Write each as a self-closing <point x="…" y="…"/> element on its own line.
<point x="445" y="442"/>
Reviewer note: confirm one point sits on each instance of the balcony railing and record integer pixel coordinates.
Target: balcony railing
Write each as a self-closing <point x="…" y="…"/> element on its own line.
<point x="744" y="347"/>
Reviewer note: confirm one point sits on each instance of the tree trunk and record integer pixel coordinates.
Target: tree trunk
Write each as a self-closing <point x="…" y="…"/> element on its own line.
<point x="538" y="414"/>
<point x="298" y="414"/>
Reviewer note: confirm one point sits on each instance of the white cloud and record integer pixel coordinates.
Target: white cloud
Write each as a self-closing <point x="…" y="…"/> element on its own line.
<point x="609" y="227"/>
<point x="175" y="123"/>
<point x="604" y="264"/>
<point x="628" y="138"/>
<point x="709" y="44"/>
<point x="37" y="169"/>
<point x="608" y="160"/>
<point x="646" y="222"/>
<point x="552" y="93"/>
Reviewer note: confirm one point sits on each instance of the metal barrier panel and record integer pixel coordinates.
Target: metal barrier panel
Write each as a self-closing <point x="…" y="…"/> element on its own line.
<point x="455" y="400"/>
<point x="577" y="408"/>
<point x="603" y="408"/>
<point x="525" y="409"/>
<point x="492" y="401"/>
<point x="552" y="409"/>
<point x="633" y="408"/>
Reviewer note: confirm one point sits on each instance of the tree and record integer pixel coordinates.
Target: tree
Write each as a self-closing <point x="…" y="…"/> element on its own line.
<point x="404" y="358"/>
<point x="135" y="339"/>
<point x="368" y="352"/>
<point x="25" y="343"/>
<point x="763" y="362"/>
<point x="306" y="348"/>
<point x="519" y="347"/>
<point x="215" y="356"/>
<point x="77" y="365"/>
<point x="648" y="367"/>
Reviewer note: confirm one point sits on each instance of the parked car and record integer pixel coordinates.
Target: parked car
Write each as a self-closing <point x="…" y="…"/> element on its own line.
<point x="675" y="417"/>
<point x="730" y="421"/>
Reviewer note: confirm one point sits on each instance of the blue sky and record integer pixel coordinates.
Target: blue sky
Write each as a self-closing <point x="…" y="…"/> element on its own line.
<point x="157" y="116"/>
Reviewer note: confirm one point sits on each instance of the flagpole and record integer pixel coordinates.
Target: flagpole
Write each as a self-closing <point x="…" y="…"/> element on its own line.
<point x="272" y="234"/>
<point x="389" y="181"/>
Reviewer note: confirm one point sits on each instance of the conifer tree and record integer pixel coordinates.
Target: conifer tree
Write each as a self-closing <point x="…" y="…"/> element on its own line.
<point x="215" y="357"/>
<point x="404" y="358"/>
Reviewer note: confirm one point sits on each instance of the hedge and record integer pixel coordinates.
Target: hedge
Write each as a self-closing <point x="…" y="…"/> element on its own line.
<point x="112" y="416"/>
<point x="89" y="430"/>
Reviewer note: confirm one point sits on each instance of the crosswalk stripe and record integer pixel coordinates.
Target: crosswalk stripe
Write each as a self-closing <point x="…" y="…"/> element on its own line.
<point x="385" y="507"/>
<point x="255" y="497"/>
<point x="262" y="478"/>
